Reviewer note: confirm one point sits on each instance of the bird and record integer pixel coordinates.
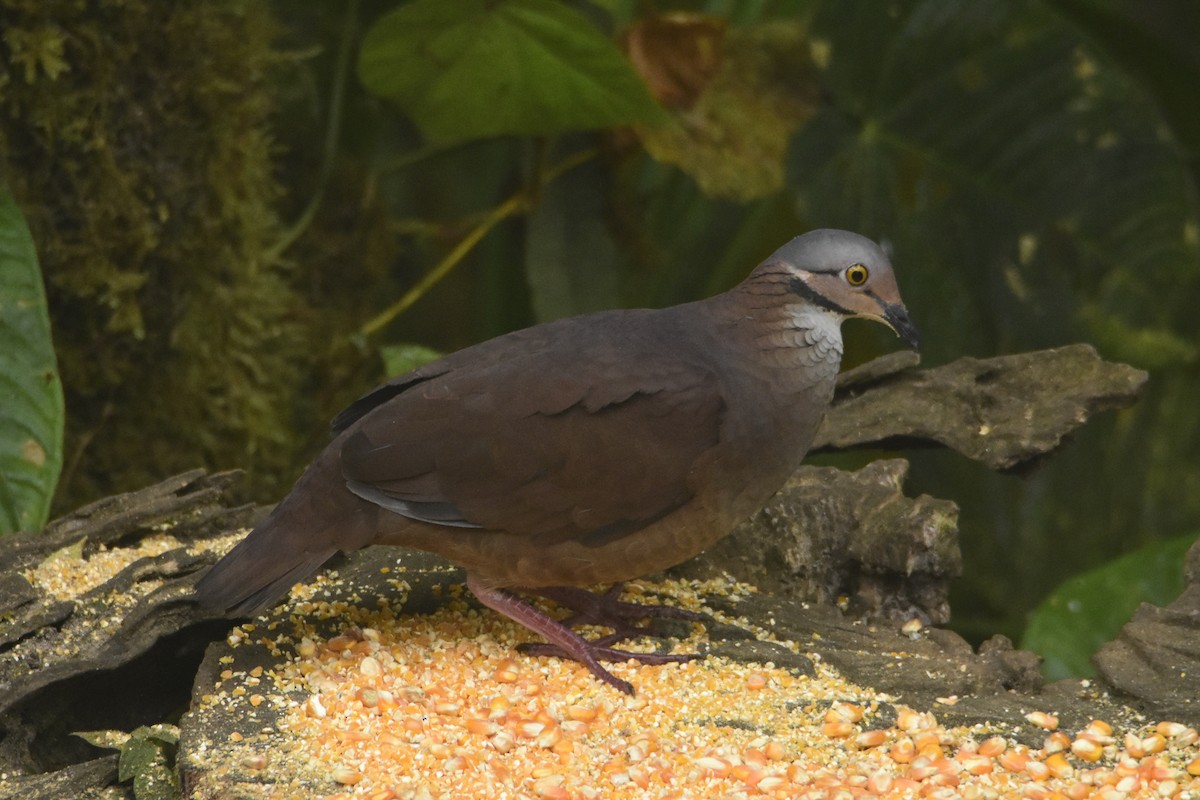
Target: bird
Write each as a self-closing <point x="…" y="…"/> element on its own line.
<point x="585" y="451"/>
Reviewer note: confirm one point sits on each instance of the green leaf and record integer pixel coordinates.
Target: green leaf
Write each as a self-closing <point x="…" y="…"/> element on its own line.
<point x="161" y="732"/>
<point x="468" y="69"/>
<point x="31" y="399"/>
<point x="401" y="358"/>
<point x="1088" y="610"/>
<point x="67" y="554"/>
<point x="107" y="739"/>
<point x="148" y="759"/>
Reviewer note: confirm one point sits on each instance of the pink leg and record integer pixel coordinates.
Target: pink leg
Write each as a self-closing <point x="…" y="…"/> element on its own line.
<point x="609" y="610"/>
<point x="567" y="642"/>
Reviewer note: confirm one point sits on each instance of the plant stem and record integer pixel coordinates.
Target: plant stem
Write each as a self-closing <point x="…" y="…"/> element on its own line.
<point x="521" y="201"/>
<point x="333" y="132"/>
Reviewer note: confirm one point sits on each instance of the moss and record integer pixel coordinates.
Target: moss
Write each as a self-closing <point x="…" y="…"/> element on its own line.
<point x="135" y="136"/>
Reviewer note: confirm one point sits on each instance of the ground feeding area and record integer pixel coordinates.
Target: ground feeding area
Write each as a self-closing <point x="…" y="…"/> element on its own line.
<point x="327" y="698"/>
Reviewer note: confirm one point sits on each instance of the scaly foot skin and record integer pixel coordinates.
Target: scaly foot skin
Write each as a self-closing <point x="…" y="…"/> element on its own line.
<point x="566" y="643"/>
<point x="601" y="652"/>
<point x="608" y="610"/>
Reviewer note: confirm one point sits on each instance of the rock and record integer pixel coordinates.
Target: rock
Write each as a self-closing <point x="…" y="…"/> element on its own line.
<point x="831" y="535"/>
<point x="1155" y="660"/>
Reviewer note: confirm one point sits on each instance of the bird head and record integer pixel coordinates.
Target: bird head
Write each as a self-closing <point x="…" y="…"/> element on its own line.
<point x="849" y="275"/>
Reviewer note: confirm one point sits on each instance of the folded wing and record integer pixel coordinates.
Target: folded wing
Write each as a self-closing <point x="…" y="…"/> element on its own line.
<point x="538" y="442"/>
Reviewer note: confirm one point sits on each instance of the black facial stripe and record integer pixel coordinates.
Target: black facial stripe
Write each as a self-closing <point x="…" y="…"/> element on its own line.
<point x="883" y="304"/>
<point x="808" y="293"/>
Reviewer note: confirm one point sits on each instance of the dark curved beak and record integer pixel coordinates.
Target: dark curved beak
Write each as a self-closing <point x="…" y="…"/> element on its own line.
<point x="896" y="316"/>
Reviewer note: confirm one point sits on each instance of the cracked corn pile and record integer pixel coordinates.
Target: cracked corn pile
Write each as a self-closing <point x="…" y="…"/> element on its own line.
<point x="441" y="706"/>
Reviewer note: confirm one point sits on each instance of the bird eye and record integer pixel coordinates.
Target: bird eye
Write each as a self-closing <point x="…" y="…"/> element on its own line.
<point x="856" y="275"/>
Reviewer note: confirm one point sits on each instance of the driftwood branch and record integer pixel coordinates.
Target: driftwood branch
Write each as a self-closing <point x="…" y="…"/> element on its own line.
<point x="1005" y="412"/>
<point x="74" y="660"/>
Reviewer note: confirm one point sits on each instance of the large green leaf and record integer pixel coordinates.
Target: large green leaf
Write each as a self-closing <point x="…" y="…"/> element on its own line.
<point x="1087" y="610"/>
<point x="468" y="69"/>
<point x="31" y="400"/>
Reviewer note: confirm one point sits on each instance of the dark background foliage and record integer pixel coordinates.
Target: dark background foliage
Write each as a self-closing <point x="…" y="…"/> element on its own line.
<point x="238" y="205"/>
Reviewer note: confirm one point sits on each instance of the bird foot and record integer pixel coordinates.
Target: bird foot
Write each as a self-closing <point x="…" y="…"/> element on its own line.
<point x="589" y="608"/>
<point x="609" y="611"/>
<point x="602" y="652"/>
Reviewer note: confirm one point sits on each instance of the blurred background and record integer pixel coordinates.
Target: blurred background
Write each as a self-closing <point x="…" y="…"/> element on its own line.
<point x="249" y="212"/>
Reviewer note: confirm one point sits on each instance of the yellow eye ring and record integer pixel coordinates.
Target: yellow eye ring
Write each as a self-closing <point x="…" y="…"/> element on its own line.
<point x="857" y="274"/>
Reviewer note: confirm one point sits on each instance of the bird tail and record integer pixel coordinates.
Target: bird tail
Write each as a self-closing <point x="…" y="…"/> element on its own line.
<point x="313" y="522"/>
<point x="256" y="573"/>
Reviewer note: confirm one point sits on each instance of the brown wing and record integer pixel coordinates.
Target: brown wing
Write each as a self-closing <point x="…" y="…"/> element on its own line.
<point x="525" y="435"/>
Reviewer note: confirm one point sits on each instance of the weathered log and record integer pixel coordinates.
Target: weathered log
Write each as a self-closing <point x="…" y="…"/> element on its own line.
<point x="89" y="780"/>
<point x="73" y="659"/>
<point x="1006" y="412"/>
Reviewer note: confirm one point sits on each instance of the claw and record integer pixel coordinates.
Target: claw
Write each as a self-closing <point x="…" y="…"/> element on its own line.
<point x="602" y="652"/>
<point x="608" y="610"/>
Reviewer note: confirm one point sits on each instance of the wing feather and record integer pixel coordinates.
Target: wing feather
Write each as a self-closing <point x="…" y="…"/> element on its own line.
<point x="538" y="441"/>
